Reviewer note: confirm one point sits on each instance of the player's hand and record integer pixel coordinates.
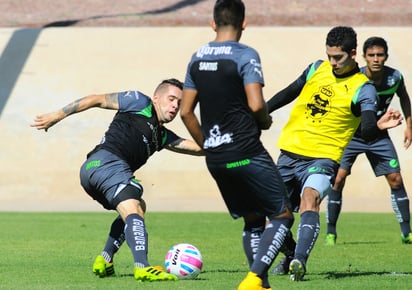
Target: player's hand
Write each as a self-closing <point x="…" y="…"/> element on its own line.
<point x="45" y="121"/>
<point x="266" y="124"/>
<point x="392" y="118"/>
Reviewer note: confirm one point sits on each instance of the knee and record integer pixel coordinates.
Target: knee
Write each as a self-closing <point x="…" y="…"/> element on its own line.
<point x="142" y="204"/>
<point x="254" y="221"/>
<point x="310" y="200"/>
<point x="394" y="180"/>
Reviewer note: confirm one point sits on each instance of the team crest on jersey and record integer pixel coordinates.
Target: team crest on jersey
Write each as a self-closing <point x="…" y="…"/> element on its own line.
<point x="216" y="138"/>
<point x="319" y="105"/>
<point x="390" y="81"/>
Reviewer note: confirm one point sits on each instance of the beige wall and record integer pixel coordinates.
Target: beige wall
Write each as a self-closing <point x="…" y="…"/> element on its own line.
<point x="39" y="171"/>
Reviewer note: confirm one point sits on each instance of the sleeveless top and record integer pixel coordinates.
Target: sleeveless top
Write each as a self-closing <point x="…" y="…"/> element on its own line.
<point x="322" y="122"/>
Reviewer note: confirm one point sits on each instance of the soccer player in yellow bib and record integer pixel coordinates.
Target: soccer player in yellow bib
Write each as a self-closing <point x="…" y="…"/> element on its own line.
<point x="381" y="153"/>
<point x="332" y="99"/>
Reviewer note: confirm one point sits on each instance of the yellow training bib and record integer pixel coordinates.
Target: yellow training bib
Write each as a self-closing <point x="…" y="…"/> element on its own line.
<point x="321" y="122"/>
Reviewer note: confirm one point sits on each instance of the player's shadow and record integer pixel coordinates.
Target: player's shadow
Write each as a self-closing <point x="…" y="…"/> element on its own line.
<point x="197" y="278"/>
<point x="179" y="5"/>
<point x="364" y="243"/>
<point x="224" y="271"/>
<point x="348" y="274"/>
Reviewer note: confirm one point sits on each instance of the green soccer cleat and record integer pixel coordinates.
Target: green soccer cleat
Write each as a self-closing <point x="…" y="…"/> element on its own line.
<point x="153" y="274"/>
<point x="251" y="282"/>
<point x="297" y="270"/>
<point x="407" y="239"/>
<point x="102" y="268"/>
<point x="330" y="240"/>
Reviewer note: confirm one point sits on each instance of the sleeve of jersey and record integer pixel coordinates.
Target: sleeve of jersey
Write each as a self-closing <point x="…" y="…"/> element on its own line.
<point x="132" y="101"/>
<point x="367" y="98"/>
<point x="401" y="90"/>
<point x="250" y="67"/>
<point x="366" y="103"/>
<point x="290" y="93"/>
<point x="169" y="137"/>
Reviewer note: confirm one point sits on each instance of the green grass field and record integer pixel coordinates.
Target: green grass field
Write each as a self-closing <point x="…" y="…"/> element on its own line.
<point x="56" y="251"/>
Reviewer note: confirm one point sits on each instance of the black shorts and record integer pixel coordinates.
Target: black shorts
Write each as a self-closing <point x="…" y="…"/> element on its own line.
<point x="380" y="153"/>
<point x="109" y="179"/>
<point x="251" y="186"/>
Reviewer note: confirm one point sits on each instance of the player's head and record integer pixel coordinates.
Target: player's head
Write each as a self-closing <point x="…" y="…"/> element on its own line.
<point x="166" y="99"/>
<point x="229" y="13"/>
<point x="341" y="45"/>
<point x="375" y="53"/>
<point x="375" y="41"/>
<point x="343" y="37"/>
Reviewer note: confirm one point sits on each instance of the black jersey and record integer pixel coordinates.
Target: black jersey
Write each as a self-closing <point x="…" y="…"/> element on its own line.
<point x="135" y="133"/>
<point x="392" y="83"/>
<point x="219" y="71"/>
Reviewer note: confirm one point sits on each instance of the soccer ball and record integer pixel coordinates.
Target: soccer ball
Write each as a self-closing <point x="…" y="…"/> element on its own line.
<point x="184" y="260"/>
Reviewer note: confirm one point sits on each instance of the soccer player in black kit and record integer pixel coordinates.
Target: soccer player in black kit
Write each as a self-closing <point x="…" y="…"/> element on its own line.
<point x="225" y="78"/>
<point x="136" y="132"/>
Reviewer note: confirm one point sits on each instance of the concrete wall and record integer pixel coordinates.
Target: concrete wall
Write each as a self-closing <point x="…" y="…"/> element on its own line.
<point x="42" y="70"/>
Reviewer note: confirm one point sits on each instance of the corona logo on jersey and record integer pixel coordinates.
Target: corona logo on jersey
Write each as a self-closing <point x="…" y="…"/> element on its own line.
<point x="320" y="104"/>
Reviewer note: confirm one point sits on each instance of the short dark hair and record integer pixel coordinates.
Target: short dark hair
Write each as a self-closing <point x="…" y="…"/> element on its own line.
<point x="343" y="37"/>
<point x="172" y="82"/>
<point x="375" y="41"/>
<point x="229" y="12"/>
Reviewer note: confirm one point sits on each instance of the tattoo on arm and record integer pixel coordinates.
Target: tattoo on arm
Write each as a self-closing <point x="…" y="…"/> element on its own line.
<point x="71" y="108"/>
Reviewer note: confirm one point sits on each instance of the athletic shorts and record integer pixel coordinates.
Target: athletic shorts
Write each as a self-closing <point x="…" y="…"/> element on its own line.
<point x="104" y="175"/>
<point x="295" y="171"/>
<point x="250" y="186"/>
<point x="380" y="153"/>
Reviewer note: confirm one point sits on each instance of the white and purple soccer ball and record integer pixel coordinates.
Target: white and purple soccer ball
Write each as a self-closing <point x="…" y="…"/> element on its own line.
<point x="184" y="260"/>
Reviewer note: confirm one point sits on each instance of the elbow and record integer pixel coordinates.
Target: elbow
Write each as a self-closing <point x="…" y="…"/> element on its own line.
<point x="186" y="113"/>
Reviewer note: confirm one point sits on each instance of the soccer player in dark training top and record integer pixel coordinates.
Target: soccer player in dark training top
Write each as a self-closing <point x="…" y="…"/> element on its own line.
<point x="136" y="132"/>
<point x="225" y="78"/>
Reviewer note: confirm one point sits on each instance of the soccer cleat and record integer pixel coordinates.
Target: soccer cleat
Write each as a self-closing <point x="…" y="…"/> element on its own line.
<point x="297" y="270"/>
<point x="102" y="268"/>
<point x="283" y="267"/>
<point x="407" y="239"/>
<point x="251" y="282"/>
<point x="330" y="240"/>
<point x="153" y="273"/>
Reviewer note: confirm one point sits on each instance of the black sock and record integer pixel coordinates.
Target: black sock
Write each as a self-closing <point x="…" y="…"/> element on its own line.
<point x="400" y="204"/>
<point x="333" y="209"/>
<point x="251" y="238"/>
<point x="136" y="237"/>
<point x="288" y="247"/>
<point x="271" y="241"/>
<point x="308" y="232"/>
<point x="114" y="240"/>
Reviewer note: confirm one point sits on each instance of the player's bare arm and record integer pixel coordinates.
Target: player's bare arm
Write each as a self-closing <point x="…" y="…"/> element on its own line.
<point x="408" y="133"/>
<point x="106" y="101"/>
<point x="187" y="113"/>
<point x="258" y="105"/>
<point x="406" y="109"/>
<point x="186" y="146"/>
